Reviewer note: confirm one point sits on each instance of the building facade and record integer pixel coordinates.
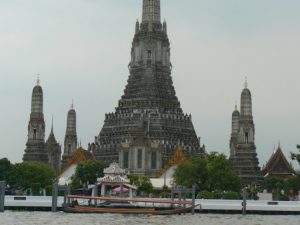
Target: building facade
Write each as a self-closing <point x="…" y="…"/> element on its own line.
<point x="243" y="154"/>
<point x="148" y="123"/>
<point x="35" y="147"/>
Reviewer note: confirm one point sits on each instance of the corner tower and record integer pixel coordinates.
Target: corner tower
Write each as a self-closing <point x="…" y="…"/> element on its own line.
<point x="242" y="144"/>
<point x="148" y="123"/>
<point x="35" y="147"/>
<point x="70" y="143"/>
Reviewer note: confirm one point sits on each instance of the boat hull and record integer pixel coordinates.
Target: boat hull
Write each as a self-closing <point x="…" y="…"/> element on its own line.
<point x="147" y="211"/>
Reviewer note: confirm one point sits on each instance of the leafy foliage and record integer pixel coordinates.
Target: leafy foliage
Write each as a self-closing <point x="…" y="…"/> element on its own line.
<point x="221" y="176"/>
<point x="211" y="173"/>
<point x="231" y="195"/>
<point x="205" y="195"/>
<point x="193" y="172"/>
<point x="296" y="156"/>
<point x="36" y="189"/>
<point x="271" y="184"/>
<point x="142" y="183"/>
<point x="275" y="185"/>
<point x="87" y="172"/>
<point x="24" y="174"/>
<point x="48" y="189"/>
<point x="5" y="167"/>
<point x="293" y="184"/>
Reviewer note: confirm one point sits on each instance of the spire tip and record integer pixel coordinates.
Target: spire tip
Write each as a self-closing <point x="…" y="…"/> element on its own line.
<point x="38" y="79"/>
<point x="246" y="82"/>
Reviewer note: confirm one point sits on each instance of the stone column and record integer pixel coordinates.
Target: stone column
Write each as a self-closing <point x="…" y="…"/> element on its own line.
<point x="130" y="193"/>
<point x="103" y="190"/>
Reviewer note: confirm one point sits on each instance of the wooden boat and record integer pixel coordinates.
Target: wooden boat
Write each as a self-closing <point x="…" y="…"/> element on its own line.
<point x="137" y="210"/>
<point x="125" y="206"/>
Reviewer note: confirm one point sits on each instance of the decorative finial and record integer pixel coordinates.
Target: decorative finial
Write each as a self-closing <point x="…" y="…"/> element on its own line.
<point x="38" y="79"/>
<point x="52" y="124"/>
<point x="246" y="82"/>
<point x="235" y="107"/>
<point x="72" y="105"/>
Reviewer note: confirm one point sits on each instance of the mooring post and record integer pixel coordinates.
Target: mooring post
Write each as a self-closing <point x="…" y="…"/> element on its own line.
<point x="2" y="195"/>
<point x="193" y="199"/>
<point x="96" y="193"/>
<point x="244" y="202"/>
<point x="172" y="196"/>
<point x="179" y="194"/>
<point x="66" y="190"/>
<point x="54" y="196"/>
<point x="68" y="193"/>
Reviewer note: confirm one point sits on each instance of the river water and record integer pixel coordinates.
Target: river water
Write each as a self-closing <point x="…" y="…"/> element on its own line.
<point x="43" y="218"/>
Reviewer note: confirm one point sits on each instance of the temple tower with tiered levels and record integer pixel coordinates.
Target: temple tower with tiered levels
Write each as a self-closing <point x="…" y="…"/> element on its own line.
<point x="70" y="143"/>
<point x="148" y="123"/>
<point x="243" y="154"/>
<point x="35" y="147"/>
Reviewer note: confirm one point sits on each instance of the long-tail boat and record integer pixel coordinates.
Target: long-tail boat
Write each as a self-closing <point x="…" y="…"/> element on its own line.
<point x="127" y="206"/>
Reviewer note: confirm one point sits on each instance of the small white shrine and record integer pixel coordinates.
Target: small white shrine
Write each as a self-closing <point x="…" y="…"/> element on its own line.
<point x="116" y="177"/>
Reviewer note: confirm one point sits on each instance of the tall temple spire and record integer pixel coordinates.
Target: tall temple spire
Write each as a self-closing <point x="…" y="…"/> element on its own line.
<point x="246" y="101"/>
<point x="142" y="134"/>
<point x="35" y="147"/>
<point x="242" y="143"/>
<point x="151" y="11"/>
<point x="37" y="99"/>
<point x="70" y="143"/>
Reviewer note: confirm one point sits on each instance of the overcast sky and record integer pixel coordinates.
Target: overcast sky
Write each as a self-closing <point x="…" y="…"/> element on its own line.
<point x="81" y="48"/>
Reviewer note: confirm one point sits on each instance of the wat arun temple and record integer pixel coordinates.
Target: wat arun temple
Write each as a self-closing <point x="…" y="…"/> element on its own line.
<point x="149" y="123"/>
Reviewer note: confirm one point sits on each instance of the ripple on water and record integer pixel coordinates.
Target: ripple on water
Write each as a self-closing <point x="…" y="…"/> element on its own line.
<point x="60" y="218"/>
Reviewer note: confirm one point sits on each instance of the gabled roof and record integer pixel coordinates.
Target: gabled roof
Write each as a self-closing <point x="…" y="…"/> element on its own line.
<point x="114" y="169"/>
<point x="177" y="158"/>
<point x="79" y="155"/>
<point x="278" y="165"/>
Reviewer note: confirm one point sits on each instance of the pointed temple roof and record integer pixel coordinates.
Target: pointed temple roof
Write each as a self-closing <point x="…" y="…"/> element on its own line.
<point x="80" y="155"/>
<point x="278" y="165"/>
<point x="149" y="110"/>
<point x="51" y="139"/>
<point x="178" y="158"/>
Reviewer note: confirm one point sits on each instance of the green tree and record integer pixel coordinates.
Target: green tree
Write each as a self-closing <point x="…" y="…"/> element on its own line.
<point x="271" y="184"/>
<point x="142" y="183"/>
<point x="5" y="167"/>
<point x="221" y="175"/>
<point x="87" y="172"/>
<point x="193" y="172"/>
<point x="23" y="175"/>
<point x="296" y="156"/>
<point x="293" y="185"/>
<point x="211" y="173"/>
